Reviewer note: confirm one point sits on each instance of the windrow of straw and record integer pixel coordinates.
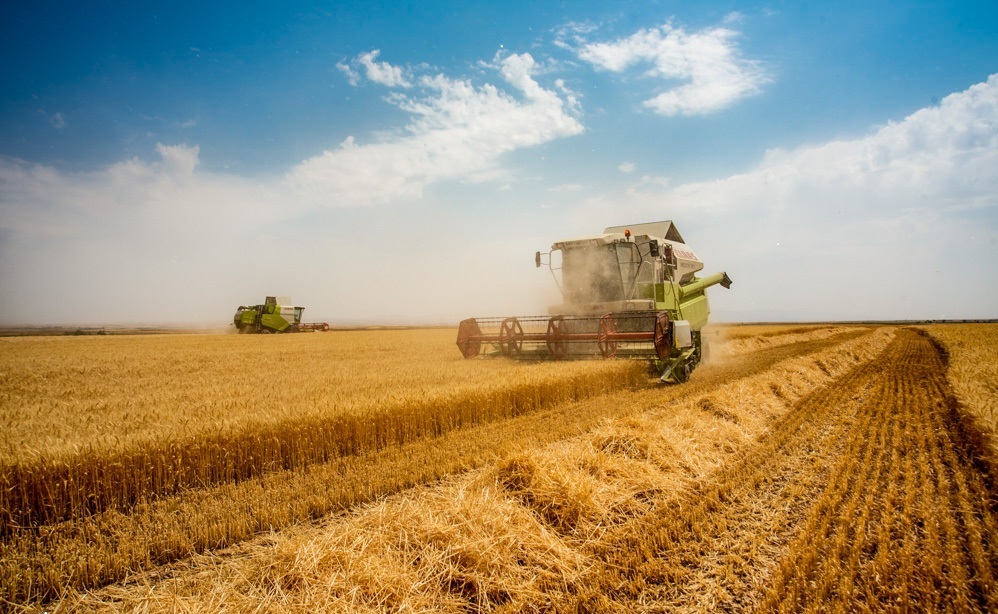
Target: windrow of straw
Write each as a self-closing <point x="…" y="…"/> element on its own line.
<point x="522" y="535"/>
<point x="738" y="340"/>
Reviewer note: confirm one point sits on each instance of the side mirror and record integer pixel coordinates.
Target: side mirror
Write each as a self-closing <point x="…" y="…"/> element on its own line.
<point x="537" y="260"/>
<point x="653" y="248"/>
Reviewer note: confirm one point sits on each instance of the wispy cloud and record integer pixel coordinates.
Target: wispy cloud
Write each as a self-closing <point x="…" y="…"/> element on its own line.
<point x="853" y="226"/>
<point x="566" y="188"/>
<point x="458" y="131"/>
<point x="353" y="77"/>
<point x="121" y="243"/>
<point x="709" y="61"/>
<point x="938" y="159"/>
<point x="383" y="72"/>
<point x="57" y="121"/>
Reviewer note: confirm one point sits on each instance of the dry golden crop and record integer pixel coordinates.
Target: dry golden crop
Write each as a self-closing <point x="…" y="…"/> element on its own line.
<point x="167" y="387"/>
<point x="972" y="370"/>
<point x="97" y="424"/>
<point x="784" y="476"/>
<point x="543" y="528"/>
<point x="838" y="480"/>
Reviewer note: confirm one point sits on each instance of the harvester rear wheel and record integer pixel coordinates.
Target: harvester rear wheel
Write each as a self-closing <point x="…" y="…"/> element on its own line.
<point x="605" y="336"/>
<point x="510" y="337"/>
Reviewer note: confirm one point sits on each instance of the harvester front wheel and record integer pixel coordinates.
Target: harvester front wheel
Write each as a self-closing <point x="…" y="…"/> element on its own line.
<point x="682" y="372"/>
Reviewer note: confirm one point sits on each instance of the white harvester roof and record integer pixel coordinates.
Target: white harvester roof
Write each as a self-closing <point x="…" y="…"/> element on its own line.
<point x="665" y="230"/>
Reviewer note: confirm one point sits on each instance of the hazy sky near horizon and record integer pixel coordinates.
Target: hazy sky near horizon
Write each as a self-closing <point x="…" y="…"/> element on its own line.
<point x="400" y="162"/>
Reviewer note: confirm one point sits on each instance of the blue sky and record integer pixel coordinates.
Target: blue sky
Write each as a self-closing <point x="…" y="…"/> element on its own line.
<point x="400" y="162"/>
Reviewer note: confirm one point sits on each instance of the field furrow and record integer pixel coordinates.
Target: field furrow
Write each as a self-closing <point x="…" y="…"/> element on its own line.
<point x="857" y="499"/>
<point x="881" y="554"/>
<point x="718" y="545"/>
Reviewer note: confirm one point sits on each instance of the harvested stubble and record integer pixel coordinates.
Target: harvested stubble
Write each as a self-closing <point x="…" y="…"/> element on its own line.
<point x="94" y="550"/>
<point x="100" y="424"/>
<point x="553" y="516"/>
<point x="862" y="499"/>
<point x="905" y="520"/>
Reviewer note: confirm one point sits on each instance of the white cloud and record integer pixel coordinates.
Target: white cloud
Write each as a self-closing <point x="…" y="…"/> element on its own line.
<point x="179" y="159"/>
<point x="937" y="159"/>
<point x="458" y="132"/>
<point x="145" y="241"/>
<point x="573" y="34"/>
<point x="716" y="74"/>
<point x="733" y="17"/>
<point x="58" y="121"/>
<point x="382" y="72"/>
<point x="143" y="200"/>
<point x="902" y="223"/>
<point x="352" y="76"/>
<point x="862" y="225"/>
<point x="627" y="167"/>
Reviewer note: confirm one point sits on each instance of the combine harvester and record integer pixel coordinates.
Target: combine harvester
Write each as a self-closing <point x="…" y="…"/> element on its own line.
<point x="276" y="315"/>
<point x="631" y="292"/>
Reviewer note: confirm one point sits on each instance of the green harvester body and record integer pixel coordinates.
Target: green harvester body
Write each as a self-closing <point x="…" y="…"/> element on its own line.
<point x="631" y="292"/>
<point x="275" y="315"/>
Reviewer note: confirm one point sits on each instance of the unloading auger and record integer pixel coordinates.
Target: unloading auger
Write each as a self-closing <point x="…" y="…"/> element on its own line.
<point x="631" y="292"/>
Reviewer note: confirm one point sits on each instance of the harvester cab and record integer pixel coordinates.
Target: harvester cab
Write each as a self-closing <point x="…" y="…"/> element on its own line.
<point x="630" y="292"/>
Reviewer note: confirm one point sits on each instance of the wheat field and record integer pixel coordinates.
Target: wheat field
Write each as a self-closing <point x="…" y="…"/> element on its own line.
<point x="784" y="476"/>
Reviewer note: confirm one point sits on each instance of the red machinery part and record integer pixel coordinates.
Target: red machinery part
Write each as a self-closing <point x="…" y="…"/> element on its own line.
<point x="645" y="334"/>
<point x="511" y="337"/>
<point x="663" y="335"/>
<point x="555" y="338"/>
<point x="316" y="326"/>
<point x="606" y="335"/>
<point x="469" y="338"/>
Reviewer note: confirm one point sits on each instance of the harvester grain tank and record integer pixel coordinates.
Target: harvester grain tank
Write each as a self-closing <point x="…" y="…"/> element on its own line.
<point x="630" y="292"/>
<point x="276" y="315"/>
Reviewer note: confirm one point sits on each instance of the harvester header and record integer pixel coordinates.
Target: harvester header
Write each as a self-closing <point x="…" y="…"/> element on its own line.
<point x="631" y="292"/>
